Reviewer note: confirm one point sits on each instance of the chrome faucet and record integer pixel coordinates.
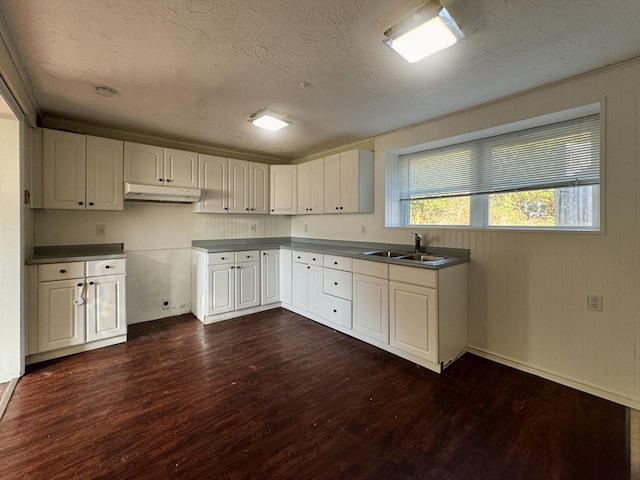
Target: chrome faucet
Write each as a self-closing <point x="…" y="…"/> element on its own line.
<point x="418" y="239"/>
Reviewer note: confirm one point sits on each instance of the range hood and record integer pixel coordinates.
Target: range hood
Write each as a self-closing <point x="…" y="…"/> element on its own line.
<point x="159" y="193"/>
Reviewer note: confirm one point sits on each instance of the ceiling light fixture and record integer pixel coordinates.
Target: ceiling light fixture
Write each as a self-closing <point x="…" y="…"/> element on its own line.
<point x="269" y="120"/>
<point x="105" y="91"/>
<point x="427" y="31"/>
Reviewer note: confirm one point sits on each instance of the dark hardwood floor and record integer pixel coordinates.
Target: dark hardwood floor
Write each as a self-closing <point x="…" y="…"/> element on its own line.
<point x="277" y="396"/>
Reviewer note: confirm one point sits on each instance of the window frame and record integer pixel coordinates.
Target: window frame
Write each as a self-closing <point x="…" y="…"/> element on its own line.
<point x="397" y="215"/>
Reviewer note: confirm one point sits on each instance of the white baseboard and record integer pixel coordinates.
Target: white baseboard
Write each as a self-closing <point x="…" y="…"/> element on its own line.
<point x="554" y="377"/>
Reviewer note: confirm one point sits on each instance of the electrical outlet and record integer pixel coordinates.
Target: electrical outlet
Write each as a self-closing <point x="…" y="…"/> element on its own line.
<point x="363" y="229"/>
<point x="101" y="230"/>
<point x="254" y="227"/>
<point x="594" y="303"/>
<point x="306" y="228"/>
<point x="165" y="304"/>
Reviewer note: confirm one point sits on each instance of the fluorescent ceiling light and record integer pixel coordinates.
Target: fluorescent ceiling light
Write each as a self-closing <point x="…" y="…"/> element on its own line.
<point x="269" y="120"/>
<point x="415" y="40"/>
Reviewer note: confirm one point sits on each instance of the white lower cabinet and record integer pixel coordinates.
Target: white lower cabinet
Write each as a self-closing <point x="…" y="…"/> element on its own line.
<point x="231" y="284"/>
<point x="413" y="320"/>
<point x="416" y="313"/>
<point x="371" y="300"/>
<point x="75" y="307"/>
<point x="286" y="275"/>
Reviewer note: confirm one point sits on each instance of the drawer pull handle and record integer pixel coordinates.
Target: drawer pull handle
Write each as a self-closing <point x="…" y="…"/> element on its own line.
<point x="63" y="271"/>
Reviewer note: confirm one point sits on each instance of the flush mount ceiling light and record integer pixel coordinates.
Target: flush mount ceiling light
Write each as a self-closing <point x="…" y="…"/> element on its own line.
<point x="430" y="29"/>
<point x="105" y="91"/>
<point x="269" y="120"/>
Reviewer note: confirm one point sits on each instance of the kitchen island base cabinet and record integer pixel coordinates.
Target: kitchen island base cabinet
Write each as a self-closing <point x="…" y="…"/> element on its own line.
<point x="228" y="284"/>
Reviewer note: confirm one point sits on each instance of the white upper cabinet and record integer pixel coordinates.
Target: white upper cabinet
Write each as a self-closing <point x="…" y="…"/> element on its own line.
<point x="311" y="187"/>
<point x="213" y="179"/>
<point x="348" y="182"/>
<point x="248" y="187"/>
<point x="81" y="172"/>
<point x="284" y="189"/>
<point x="151" y="165"/>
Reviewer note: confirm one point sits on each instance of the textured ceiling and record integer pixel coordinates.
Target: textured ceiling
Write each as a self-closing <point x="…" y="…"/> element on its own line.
<point x="194" y="70"/>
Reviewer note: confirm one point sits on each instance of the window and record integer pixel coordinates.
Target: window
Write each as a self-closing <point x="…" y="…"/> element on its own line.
<point x="546" y="177"/>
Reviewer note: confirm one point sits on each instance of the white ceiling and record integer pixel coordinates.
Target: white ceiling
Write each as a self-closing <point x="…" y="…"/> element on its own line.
<point x="194" y="70"/>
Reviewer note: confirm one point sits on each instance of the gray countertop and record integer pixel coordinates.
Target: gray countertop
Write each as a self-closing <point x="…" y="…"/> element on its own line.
<point x="334" y="247"/>
<point x="76" y="253"/>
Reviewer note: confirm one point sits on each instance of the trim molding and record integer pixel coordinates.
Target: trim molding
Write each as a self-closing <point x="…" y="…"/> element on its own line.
<point x="6" y="396"/>
<point x="554" y="377"/>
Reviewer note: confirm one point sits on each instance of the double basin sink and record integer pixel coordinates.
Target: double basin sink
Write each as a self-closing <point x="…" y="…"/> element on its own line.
<point x="428" y="258"/>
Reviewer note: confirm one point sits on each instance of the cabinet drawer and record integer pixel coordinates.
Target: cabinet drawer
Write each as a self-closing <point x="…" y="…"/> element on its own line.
<point x="115" y="266"/>
<point x="220" y="258"/>
<point x="339" y="263"/>
<point x="248" y="256"/>
<point x="60" y="271"/>
<point x="336" y="310"/>
<point x="371" y="269"/>
<point x="338" y="283"/>
<point x="315" y="258"/>
<point x="417" y="276"/>
<point x="300" y="257"/>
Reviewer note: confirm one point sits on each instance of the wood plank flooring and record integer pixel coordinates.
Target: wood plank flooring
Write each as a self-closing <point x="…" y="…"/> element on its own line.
<point x="276" y="396"/>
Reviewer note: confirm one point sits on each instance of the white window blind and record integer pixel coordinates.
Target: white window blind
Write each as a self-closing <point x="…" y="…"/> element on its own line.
<point x="552" y="156"/>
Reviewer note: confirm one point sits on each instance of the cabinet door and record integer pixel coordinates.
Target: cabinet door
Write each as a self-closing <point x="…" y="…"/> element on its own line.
<point x="332" y="184"/>
<point x="284" y="189"/>
<point x="270" y="276"/>
<point x="286" y="275"/>
<point x="180" y="168"/>
<point x="299" y="287"/>
<point x="105" y="174"/>
<point x="259" y="188"/>
<point x="371" y="307"/>
<point x="311" y="187"/>
<point x="63" y="163"/>
<point x="61" y="323"/>
<point x="221" y="294"/>
<point x="247" y="285"/>
<point x="314" y="289"/>
<point x="238" y="186"/>
<point x="213" y="178"/>
<point x="106" y="312"/>
<point x="413" y="320"/>
<point x="349" y="184"/>
<point x="143" y="164"/>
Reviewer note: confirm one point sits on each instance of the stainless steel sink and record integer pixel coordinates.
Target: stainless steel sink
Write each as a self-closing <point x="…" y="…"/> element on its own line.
<point x="422" y="257"/>
<point x="415" y="257"/>
<point x="386" y="254"/>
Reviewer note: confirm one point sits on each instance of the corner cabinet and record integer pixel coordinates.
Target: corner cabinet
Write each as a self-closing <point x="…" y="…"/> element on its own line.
<point x="81" y="172"/>
<point x="283" y="189"/>
<point x="348" y="182"/>
<point x="230" y="284"/>
<point x="75" y="306"/>
<point x="311" y="187"/>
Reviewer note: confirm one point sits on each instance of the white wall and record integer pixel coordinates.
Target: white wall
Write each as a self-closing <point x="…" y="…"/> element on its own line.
<point x="527" y="291"/>
<point x="157" y="239"/>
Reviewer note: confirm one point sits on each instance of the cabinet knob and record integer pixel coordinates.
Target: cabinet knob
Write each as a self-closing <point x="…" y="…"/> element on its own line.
<point x="232" y="267"/>
<point x="341" y="208"/>
<point x="264" y="253"/>
<point x="168" y="180"/>
<point x="108" y="266"/>
<point x="247" y="209"/>
<point x="159" y="179"/>
<point x="80" y="203"/>
<point x="90" y="203"/>
<point x="335" y="283"/>
<point x="222" y="258"/>
<point x="79" y="284"/>
<point x="337" y="208"/>
<point x="62" y="271"/>
<point x="272" y="210"/>
<point x="335" y="311"/>
<point x="226" y="208"/>
<point x="335" y="263"/>
<point x="308" y="266"/>
<point x="90" y="283"/>
<point x="311" y="209"/>
<point x="314" y="259"/>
